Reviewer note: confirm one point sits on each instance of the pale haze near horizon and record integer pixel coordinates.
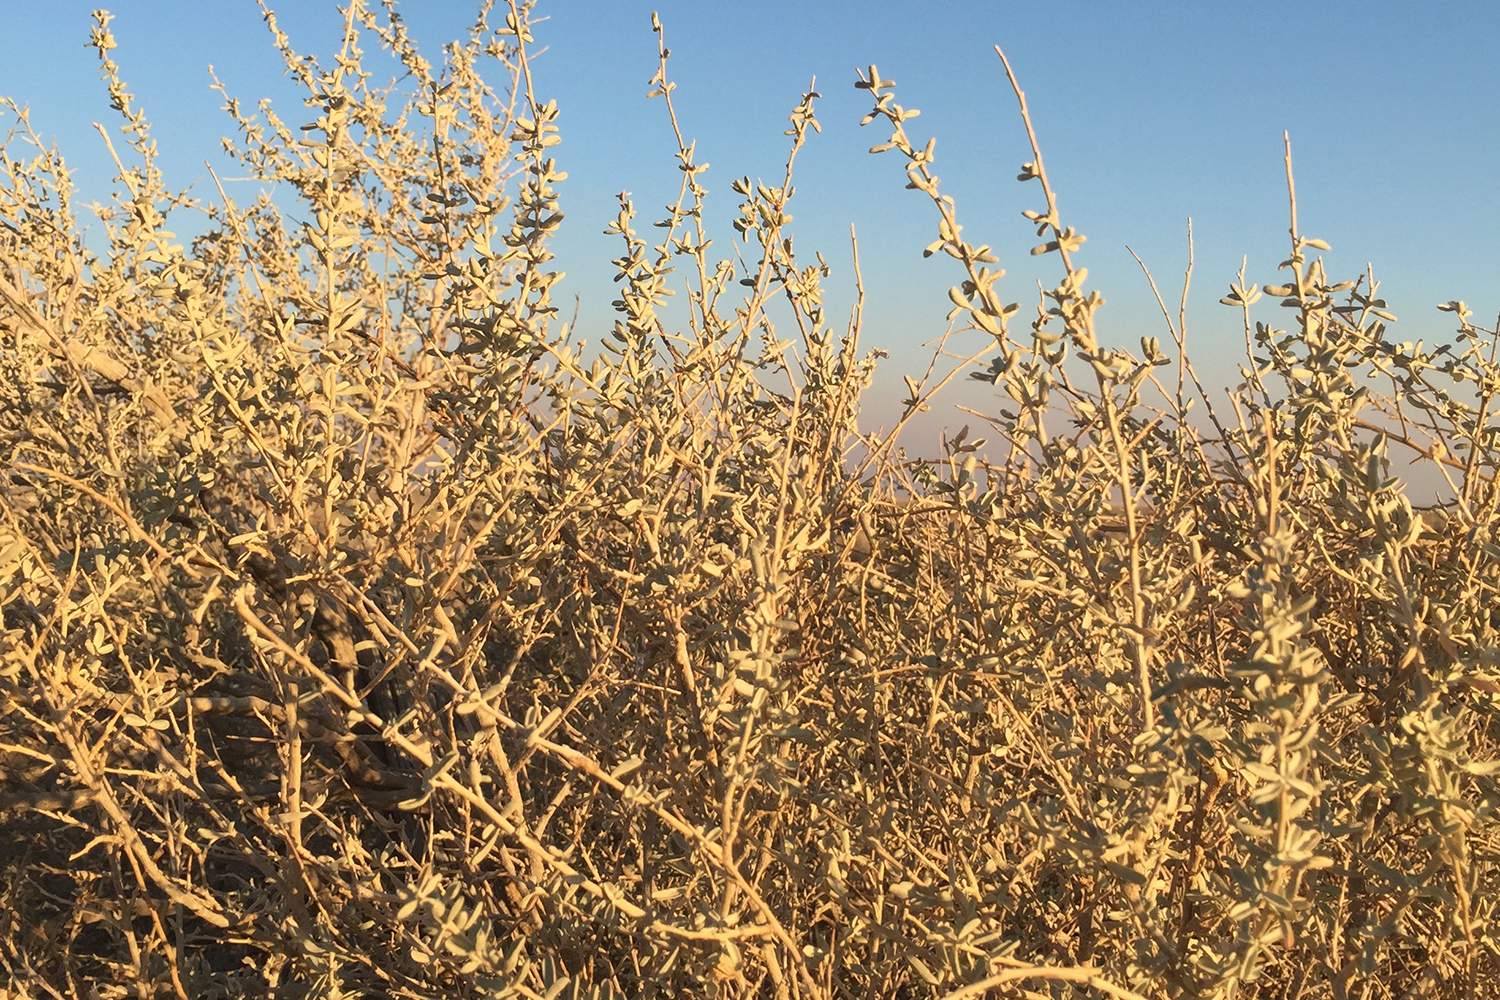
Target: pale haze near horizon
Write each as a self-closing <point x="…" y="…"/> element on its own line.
<point x="1148" y="114"/>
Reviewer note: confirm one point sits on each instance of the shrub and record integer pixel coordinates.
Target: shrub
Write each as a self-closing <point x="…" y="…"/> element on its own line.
<point x="367" y="635"/>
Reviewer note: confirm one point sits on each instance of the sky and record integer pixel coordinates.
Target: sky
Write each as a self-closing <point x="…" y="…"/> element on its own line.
<point x="1148" y="114"/>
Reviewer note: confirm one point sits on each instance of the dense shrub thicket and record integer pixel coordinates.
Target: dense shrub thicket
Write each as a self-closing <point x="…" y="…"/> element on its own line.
<point x="366" y="635"/>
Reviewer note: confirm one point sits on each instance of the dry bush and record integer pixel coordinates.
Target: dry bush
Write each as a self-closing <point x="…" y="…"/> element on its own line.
<point x="366" y="635"/>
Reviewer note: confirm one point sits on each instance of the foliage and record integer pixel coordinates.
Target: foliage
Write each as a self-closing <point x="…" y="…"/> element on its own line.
<point x="365" y="634"/>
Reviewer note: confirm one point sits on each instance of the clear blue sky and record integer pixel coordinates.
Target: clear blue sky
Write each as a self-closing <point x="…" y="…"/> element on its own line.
<point x="1148" y="113"/>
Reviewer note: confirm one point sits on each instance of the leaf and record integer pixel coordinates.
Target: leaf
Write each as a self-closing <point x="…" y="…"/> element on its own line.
<point x="921" y="969"/>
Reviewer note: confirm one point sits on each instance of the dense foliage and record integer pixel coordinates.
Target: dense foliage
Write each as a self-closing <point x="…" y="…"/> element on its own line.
<point x="367" y="635"/>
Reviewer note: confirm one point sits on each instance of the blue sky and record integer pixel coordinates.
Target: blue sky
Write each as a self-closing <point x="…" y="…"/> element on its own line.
<point x="1148" y="114"/>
